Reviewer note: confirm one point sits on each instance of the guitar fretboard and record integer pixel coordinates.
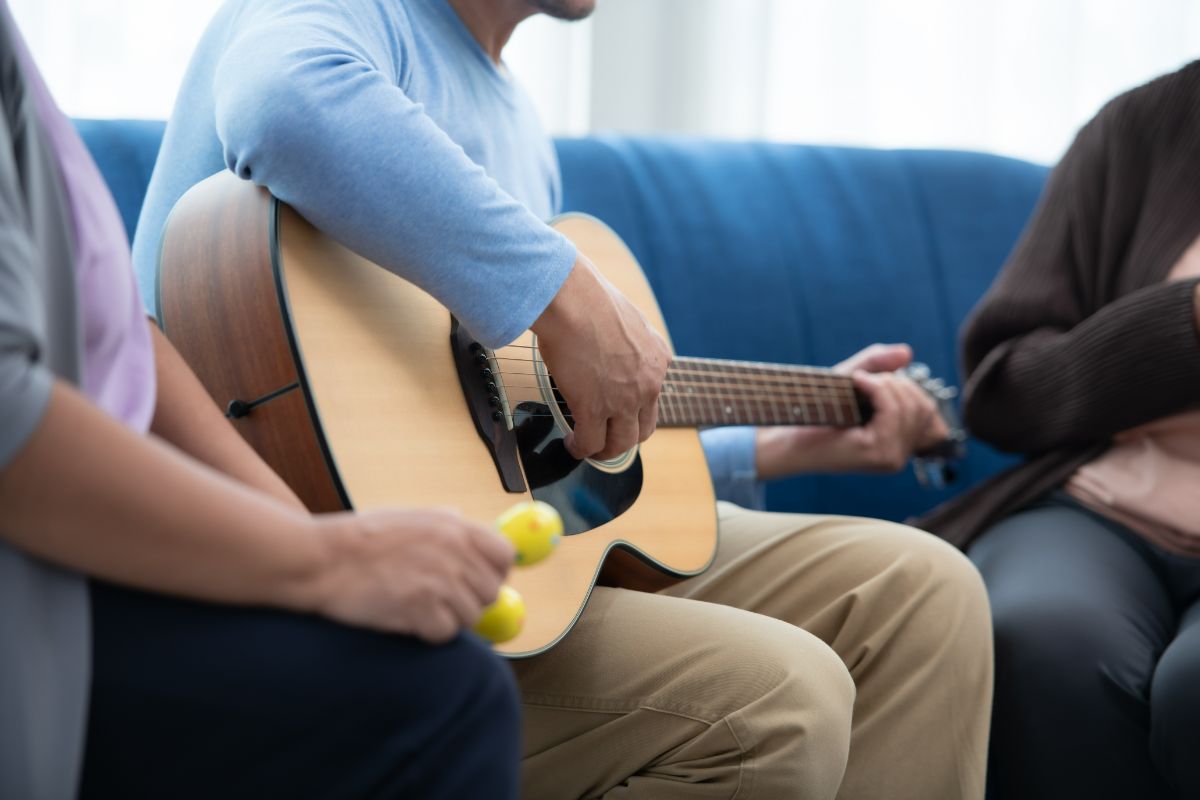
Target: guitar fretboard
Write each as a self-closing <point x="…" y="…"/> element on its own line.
<point x="705" y="391"/>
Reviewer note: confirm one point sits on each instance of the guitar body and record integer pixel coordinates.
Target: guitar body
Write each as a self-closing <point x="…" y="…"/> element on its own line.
<point x="345" y="378"/>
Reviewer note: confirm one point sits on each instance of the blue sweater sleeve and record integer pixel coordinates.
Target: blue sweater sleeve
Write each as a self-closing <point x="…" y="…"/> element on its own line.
<point x="730" y="453"/>
<point x="308" y="105"/>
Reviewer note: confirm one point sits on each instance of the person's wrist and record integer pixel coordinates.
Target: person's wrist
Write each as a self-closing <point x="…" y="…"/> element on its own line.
<point x="320" y="548"/>
<point x="570" y="305"/>
<point x="783" y="451"/>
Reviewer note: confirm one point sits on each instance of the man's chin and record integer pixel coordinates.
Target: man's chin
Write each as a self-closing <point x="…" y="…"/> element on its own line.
<point x="566" y="9"/>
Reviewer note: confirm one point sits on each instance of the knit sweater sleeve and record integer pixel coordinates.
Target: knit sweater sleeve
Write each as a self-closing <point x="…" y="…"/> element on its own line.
<point x="1048" y="364"/>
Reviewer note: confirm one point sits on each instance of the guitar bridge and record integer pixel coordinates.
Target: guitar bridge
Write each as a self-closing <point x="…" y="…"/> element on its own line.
<point x="483" y="390"/>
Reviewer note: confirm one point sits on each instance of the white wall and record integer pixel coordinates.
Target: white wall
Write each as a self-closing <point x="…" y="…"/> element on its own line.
<point x="1011" y="76"/>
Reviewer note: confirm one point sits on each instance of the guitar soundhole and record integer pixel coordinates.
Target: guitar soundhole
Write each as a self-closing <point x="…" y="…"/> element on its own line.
<point x="586" y="496"/>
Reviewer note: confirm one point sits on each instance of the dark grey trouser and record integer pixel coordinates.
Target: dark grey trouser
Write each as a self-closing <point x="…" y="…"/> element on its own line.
<point x="203" y="701"/>
<point x="1097" y="659"/>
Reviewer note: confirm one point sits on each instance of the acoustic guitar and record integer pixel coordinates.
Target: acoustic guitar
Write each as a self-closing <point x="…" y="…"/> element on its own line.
<point x="362" y="391"/>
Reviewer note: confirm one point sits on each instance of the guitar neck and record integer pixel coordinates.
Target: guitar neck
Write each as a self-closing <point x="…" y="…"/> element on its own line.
<point x="707" y="391"/>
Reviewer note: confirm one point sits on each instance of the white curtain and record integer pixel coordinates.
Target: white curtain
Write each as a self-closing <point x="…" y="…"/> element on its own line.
<point x="1009" y="76"/>
<point x="113" y="58"/>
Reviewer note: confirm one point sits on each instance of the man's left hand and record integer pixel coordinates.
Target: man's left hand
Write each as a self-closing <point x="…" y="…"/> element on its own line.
<point x="905" y="421"/>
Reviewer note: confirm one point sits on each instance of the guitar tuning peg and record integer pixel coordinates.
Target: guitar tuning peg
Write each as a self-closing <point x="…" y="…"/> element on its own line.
<point x="918" y="371"/>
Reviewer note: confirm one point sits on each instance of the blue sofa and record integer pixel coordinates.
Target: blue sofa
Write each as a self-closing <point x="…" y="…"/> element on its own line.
<point x="775" y="252"/>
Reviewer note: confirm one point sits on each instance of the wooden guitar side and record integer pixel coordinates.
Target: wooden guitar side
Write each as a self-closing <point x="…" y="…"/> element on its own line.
<point x="219" y="305"/>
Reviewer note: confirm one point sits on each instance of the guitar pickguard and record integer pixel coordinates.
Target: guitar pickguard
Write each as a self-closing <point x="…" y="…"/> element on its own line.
<point x="587" y="497"/>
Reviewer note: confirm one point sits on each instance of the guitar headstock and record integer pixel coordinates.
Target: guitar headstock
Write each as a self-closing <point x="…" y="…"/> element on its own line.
<point x="933" y="467"/>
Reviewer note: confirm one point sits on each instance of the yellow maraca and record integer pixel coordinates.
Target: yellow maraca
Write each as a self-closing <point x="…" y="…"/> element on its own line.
<point x="535" y="529"/>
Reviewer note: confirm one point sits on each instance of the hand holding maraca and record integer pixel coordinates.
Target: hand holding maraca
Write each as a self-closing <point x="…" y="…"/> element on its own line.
<point x="423" y="572"/>
<point x="534" y="528"/>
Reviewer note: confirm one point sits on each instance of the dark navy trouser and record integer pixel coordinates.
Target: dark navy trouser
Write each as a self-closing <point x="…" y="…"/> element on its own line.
<point x="195" y="700"/>
<point x="1097" y="659"/>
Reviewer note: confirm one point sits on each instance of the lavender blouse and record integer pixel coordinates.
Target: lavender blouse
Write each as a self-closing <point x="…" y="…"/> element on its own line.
<point x="118" y="357"/>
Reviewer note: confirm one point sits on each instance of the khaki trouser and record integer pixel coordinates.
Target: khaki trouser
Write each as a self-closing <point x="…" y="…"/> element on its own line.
<point x="864" y="671"/>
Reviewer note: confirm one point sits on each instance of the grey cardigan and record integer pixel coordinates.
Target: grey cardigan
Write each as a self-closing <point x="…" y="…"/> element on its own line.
<point x="45" y="647"/>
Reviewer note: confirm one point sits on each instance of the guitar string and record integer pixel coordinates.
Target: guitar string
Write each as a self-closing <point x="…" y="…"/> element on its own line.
<point x="767" y="403"/>
<point x="684" y="419"/>
<point x="702" y="360"/>
<point x="744" y="390"/>
<point x="813" y="403"/>
<point x="813" y="375"/>
<point x="696" y="389"/>
<point x="716" y="362"/>
<point x="707" y="364"/>
<point x="774" y="410"/>
<point x="737" y="381"/>
<point x="842" y="384"/>
<point x="683" y="392"/>
<point x="809" y="413"/>
<point x="829" y="380"/>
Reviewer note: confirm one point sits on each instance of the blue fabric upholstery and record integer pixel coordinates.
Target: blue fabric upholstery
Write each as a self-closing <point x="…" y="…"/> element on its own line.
<point x="775" y="252"/>
<point x="804" y="254"/>
<point x="125" y="151"/>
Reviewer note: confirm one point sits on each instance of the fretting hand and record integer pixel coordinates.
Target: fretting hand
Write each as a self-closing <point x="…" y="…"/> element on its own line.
<point x="905" y="421"/>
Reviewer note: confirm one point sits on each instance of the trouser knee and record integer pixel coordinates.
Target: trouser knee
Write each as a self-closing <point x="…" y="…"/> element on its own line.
<point x="1175" y="722"/>
<point x="942" y="597"/>
<point x="471" y="745"/>
<point x="805" y="721"/>
<point x="486" y="702"/>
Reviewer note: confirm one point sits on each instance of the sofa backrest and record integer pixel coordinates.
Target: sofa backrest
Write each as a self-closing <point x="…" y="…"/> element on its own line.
<point x="125" y="151"/>
<point x="774" y="252"/>
<point x="805" y="254"/>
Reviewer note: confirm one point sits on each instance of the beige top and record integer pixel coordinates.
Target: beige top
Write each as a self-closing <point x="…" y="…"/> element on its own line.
<point x="1149" y="480"/>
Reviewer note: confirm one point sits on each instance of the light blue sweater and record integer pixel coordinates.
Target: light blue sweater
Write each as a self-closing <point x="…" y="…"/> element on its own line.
<point x="386" y="125"/>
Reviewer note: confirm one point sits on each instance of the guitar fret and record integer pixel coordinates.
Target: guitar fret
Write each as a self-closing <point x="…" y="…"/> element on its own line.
<point x="666" y="406"/>
<point x="748" y="400"/>
<point x="821" y="411"/>
<point x="724" y="406"/>
<point x="780" y="407"/>
<point x="722" y="409"/>
<point x="697" y="413"/>
<point x="759" y="371"/>
<point x="803" y="406"/>
<point x="837" y="411"/>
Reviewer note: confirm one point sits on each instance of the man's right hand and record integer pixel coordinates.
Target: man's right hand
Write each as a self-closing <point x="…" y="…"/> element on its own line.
<point x="607" y="361"/>
<point x="425" y="573"/>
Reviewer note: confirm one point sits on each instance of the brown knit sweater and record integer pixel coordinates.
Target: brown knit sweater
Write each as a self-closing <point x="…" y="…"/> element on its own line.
<point x="1079" y="338"/>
